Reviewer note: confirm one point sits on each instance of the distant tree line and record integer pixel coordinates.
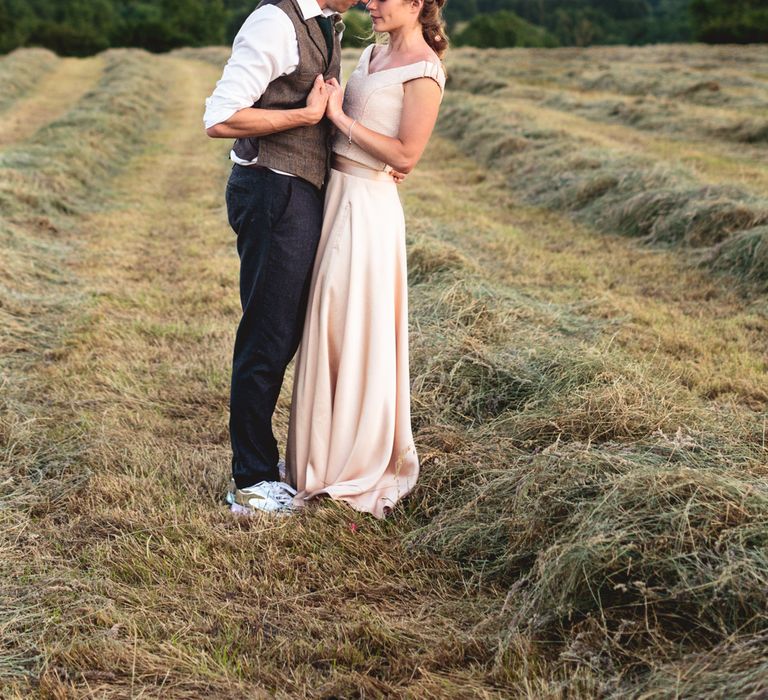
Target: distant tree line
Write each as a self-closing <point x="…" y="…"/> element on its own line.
<point x="83" y="27"/>
<point x="578" y="22"/>
<point x="587" y="22"/>
<point x="731" y="21"/>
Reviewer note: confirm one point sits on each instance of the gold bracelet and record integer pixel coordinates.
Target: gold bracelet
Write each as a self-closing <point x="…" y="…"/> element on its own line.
<point x="349" y="135"/>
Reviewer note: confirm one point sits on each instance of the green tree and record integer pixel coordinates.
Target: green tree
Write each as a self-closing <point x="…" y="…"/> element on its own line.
<point x="198" y="21"/>
<point x="730" y="21"/>
<point x="66" y="39"/>
<point x="671" y="21"/>
<point x="602" y="21"/>
<point x="502" y="29"/>
<point x="583" y="26"/>
<point x="86" y="26"/>
<point x="358" y="29"/>
<point x="168" y="24"/>
<point x="16" y="20"/>
<point x="495" y="30"/>
<point x="71" y="27"/>
<point x="458" y="10"/>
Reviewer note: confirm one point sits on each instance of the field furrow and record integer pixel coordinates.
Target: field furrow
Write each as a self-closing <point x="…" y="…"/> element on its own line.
<point x="53" y="96"/>
<point x="680" y="315"/>
<point x="726" y="76"/>
<point x="590" y="413"/>
<point x="21" y="70"/>
<point x="613" y="180"/>
<point x="57" y="173"/>
<point x="141" y="381"/>
<point x="709" y="162"/>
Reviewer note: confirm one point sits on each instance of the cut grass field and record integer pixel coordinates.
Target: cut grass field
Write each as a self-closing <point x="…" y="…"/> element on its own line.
<point x="21" y="71"/>
<point x="590" y="412"/>
<point x="54" y="94"/>
<point x="663" y="143"/>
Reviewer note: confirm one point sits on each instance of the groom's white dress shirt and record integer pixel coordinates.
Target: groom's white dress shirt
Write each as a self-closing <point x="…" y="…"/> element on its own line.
<point x="264" y="49"/>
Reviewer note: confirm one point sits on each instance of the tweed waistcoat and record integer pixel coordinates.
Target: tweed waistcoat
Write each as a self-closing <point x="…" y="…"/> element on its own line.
<point x="304" y="151"/>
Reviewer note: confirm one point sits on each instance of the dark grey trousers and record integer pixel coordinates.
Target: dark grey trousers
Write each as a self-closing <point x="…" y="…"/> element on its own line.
<point x="277" y="219"/>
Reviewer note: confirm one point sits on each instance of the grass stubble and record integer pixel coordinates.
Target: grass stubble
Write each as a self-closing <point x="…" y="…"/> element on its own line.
<point x="558" y="124"/>
<point x="116" y="460"/>
<point x="21" y="70"/>
<point x="591" y="518"/>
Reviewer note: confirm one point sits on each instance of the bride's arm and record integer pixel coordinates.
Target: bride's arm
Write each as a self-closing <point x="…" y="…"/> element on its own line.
<point x="421" y="102"/>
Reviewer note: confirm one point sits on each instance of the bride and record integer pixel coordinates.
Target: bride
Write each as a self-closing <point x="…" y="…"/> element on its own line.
<point x="350" y="432"/>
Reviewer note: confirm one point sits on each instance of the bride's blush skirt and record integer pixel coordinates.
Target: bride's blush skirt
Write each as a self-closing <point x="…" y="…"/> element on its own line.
<point x="350" y="429"/>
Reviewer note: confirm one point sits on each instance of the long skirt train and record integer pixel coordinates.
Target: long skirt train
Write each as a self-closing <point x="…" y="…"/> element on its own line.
<point x="350" y="429"/>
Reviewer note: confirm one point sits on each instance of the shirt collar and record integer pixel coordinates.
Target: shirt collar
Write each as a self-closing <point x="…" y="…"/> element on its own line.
<point x="310" y="8"/>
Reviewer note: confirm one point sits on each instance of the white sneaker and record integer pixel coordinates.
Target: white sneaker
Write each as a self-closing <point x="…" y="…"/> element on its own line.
<point x="266" y="496"/>
<point x="230" y="497"/>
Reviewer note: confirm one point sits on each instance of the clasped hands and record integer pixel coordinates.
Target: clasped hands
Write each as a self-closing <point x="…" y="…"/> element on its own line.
<point x="325" y="100"/>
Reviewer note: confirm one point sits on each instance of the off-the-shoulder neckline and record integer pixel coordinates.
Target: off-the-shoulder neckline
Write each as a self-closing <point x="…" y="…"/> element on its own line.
<point x="384" y="70"/>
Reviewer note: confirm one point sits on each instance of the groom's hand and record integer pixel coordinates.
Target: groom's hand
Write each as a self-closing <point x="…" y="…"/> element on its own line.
<point x="317" y="101"/>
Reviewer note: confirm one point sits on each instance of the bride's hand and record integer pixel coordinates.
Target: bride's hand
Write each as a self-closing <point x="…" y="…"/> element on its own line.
<point x="335" y="99"/>
<point x="397" y="177"/>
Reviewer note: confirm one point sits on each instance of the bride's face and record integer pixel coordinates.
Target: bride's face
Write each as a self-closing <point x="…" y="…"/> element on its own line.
<point x="389" y="15"/>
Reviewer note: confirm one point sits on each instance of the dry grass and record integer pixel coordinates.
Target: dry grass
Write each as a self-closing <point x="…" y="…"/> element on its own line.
<point x="143" y="581"/>
<point x="745" y="253"/>
<point x="550" y="120"/>
<point x="215" y="55"/>
<point x="590" y="416"/>
<point x="625" y="516"/>
<point x="613" y="191"/>
<point x="56" y="172"/>
<point x="21" y="70"/>
<point x="54" y="94"/>
<point x="719" y="76"/>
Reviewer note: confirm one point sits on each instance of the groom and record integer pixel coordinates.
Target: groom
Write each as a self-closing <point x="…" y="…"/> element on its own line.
<point x="271" y="99"/>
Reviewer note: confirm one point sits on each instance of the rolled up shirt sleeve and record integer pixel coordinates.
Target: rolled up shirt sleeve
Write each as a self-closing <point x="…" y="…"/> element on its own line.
<point x="264" y="49"/>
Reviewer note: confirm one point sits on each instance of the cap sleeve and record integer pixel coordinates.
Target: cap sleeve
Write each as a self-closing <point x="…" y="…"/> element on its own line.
<point x="427" y="69"/>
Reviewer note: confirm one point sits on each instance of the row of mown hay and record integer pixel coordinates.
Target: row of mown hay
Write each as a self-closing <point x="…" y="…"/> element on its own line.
<point x="54" y="171"/>
<point x="21" y="70"/>
<point x="50" y="177"/>
<point x="43" y="182"/>
<point x="562" y="79"/>
<point x="703" y="75"/>
<point x="215" y="55"/>
<point x="723" y="227"/>
<point x="659" y="115"/>
<point x="623" y="519"/>
<point x="627" y="521"/>
<point x="53" y="175"/>
<point x="690" y="94"/>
